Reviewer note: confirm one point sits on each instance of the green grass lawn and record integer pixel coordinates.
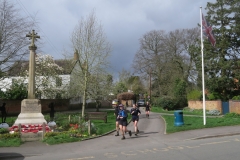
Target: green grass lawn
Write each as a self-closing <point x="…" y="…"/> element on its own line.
<point x="191" y="123"/>
<point x="10" y="142"/>
<point x="185" y="111"/>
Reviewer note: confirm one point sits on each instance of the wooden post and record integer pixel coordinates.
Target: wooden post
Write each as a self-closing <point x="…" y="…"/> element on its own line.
<point x="43" y="129"/>
<point x="79" y="120"/>
<point x="20" y="129"/>
<point x="69" y="118"/>
<point x="89" y="127"/>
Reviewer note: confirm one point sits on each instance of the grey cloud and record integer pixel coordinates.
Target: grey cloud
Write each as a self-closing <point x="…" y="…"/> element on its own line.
<point x="124" y="22"/>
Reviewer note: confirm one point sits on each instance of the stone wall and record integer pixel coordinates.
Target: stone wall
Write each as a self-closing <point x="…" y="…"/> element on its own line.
<point x="210" y="105"/>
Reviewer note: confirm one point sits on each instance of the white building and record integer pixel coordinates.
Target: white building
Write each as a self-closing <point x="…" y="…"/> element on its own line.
<point x="58" y="85"/>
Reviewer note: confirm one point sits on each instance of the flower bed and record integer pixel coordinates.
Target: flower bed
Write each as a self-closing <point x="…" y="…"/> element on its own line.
<point x="29" y="128"/>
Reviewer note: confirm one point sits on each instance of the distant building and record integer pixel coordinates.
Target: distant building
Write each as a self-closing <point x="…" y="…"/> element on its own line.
<point x="59" y="85"/>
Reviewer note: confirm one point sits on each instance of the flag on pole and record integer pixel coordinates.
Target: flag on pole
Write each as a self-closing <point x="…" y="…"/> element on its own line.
<point x="207" y="30"/>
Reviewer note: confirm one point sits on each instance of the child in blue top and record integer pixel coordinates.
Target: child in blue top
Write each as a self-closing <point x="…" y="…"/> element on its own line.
<point x="122" y="115"/>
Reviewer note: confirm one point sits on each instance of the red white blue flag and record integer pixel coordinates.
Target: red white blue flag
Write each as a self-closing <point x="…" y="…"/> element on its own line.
<point x="207" y="31"/>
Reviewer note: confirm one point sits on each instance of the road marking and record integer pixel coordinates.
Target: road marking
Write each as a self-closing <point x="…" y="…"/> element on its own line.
<point x="161" y="149"/>
<point x="110" y="155"/>
<point x="214" y="143"/>
<point x="236" y="139"/>
<point x="146" y="151"/>
<point x="130" y="153"/>
<point x="83" y="158"/>
<point x="190" y="146"/>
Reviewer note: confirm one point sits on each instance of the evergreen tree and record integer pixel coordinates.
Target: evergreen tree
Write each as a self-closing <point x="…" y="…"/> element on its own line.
<point x="221" y="61"/>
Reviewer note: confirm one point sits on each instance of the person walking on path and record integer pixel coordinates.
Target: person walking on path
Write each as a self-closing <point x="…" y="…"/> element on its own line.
<point x="147" y="109"/>
<point x="122" y="115"/>
<point x="135" y="112"/>
<point x="116" y="111"/>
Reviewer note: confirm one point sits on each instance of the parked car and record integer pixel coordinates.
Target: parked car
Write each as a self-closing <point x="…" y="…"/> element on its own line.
<point x="114" y="103"/>
<point x="141" y="103"/>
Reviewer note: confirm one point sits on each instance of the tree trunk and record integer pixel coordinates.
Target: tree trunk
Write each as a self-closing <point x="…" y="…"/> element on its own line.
<point x="84" y="94"/>
<point x="97" y="106"/>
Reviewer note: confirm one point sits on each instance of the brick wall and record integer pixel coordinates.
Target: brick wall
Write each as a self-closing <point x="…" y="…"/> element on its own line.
<point x="13" y="107"/>
<point x="210" y="105"/>
<point x="234" y="106"/>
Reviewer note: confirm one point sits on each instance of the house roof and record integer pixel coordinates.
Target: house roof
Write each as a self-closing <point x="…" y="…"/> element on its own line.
<point x="19" y="66"/>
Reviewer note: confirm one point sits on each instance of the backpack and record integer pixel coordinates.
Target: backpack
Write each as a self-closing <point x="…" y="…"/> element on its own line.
<point x="123" y="113"/>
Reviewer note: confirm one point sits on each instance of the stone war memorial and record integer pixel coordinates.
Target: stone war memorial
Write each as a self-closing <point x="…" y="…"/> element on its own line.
<point x="31" y="120"/>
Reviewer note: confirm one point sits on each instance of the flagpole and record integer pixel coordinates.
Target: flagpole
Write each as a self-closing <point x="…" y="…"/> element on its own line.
<point x="203" y="84"/>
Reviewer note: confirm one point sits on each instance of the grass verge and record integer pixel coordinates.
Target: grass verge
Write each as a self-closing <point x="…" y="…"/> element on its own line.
<point x="186" y="111"/>
<point x="99" y="127"/>
<point x="191" y="123"/>
<point x="10" y="142"/>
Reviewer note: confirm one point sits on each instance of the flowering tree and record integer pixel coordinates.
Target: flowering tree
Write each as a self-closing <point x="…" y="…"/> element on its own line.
<point x="48" y="78"/>
<point x="48" y="81"/>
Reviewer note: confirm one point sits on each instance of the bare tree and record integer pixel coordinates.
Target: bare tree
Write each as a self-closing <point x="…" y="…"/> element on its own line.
<point x="92" y="49"/>
<point x="166" y="56"/>
<point x="13" y="41"/>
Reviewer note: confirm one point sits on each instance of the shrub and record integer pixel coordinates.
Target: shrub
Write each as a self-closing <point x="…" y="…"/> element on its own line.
<point x="168" y="103"/>
<point x="213" y="96"/>
<point x="51" y="134"/>
<point x="236" y="97"/>
<point x="194" y="95"/>
<point x="8" y="135"/>
<point x="3" y="130"/>
<point x="156" y="101"/>
<point x="18" y="90"/>
<point x="232" y="115"/>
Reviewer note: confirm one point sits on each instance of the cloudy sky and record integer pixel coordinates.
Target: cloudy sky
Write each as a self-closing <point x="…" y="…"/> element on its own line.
<point x="124" y="22"/>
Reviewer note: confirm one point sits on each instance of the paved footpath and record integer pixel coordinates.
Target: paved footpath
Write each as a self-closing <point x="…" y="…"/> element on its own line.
<point x="152" y="131"/>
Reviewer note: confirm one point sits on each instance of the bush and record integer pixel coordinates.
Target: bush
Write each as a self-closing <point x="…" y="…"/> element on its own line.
<point x="51" y="134"/>
<point x="18" y="90"/>
<point x="194" y="95"/>
<point x="3" y="130"/>
<point x="8" y="135"/>
<point x="213" y="96"/>
<point x="236" y="97"/>
<point x="168" y="103"/>
<point x="232" y="115"/>
<point x="156" y="101"/>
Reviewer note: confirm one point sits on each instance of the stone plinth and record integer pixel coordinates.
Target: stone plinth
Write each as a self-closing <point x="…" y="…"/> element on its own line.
<point x="31" y="112"/>
<point x="25" y="137"/>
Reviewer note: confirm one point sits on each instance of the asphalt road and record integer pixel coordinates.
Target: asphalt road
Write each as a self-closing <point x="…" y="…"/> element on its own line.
<point x="150" y="144"/>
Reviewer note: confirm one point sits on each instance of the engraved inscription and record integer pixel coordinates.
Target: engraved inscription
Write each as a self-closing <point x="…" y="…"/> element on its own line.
<point x="30" y="106"/>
